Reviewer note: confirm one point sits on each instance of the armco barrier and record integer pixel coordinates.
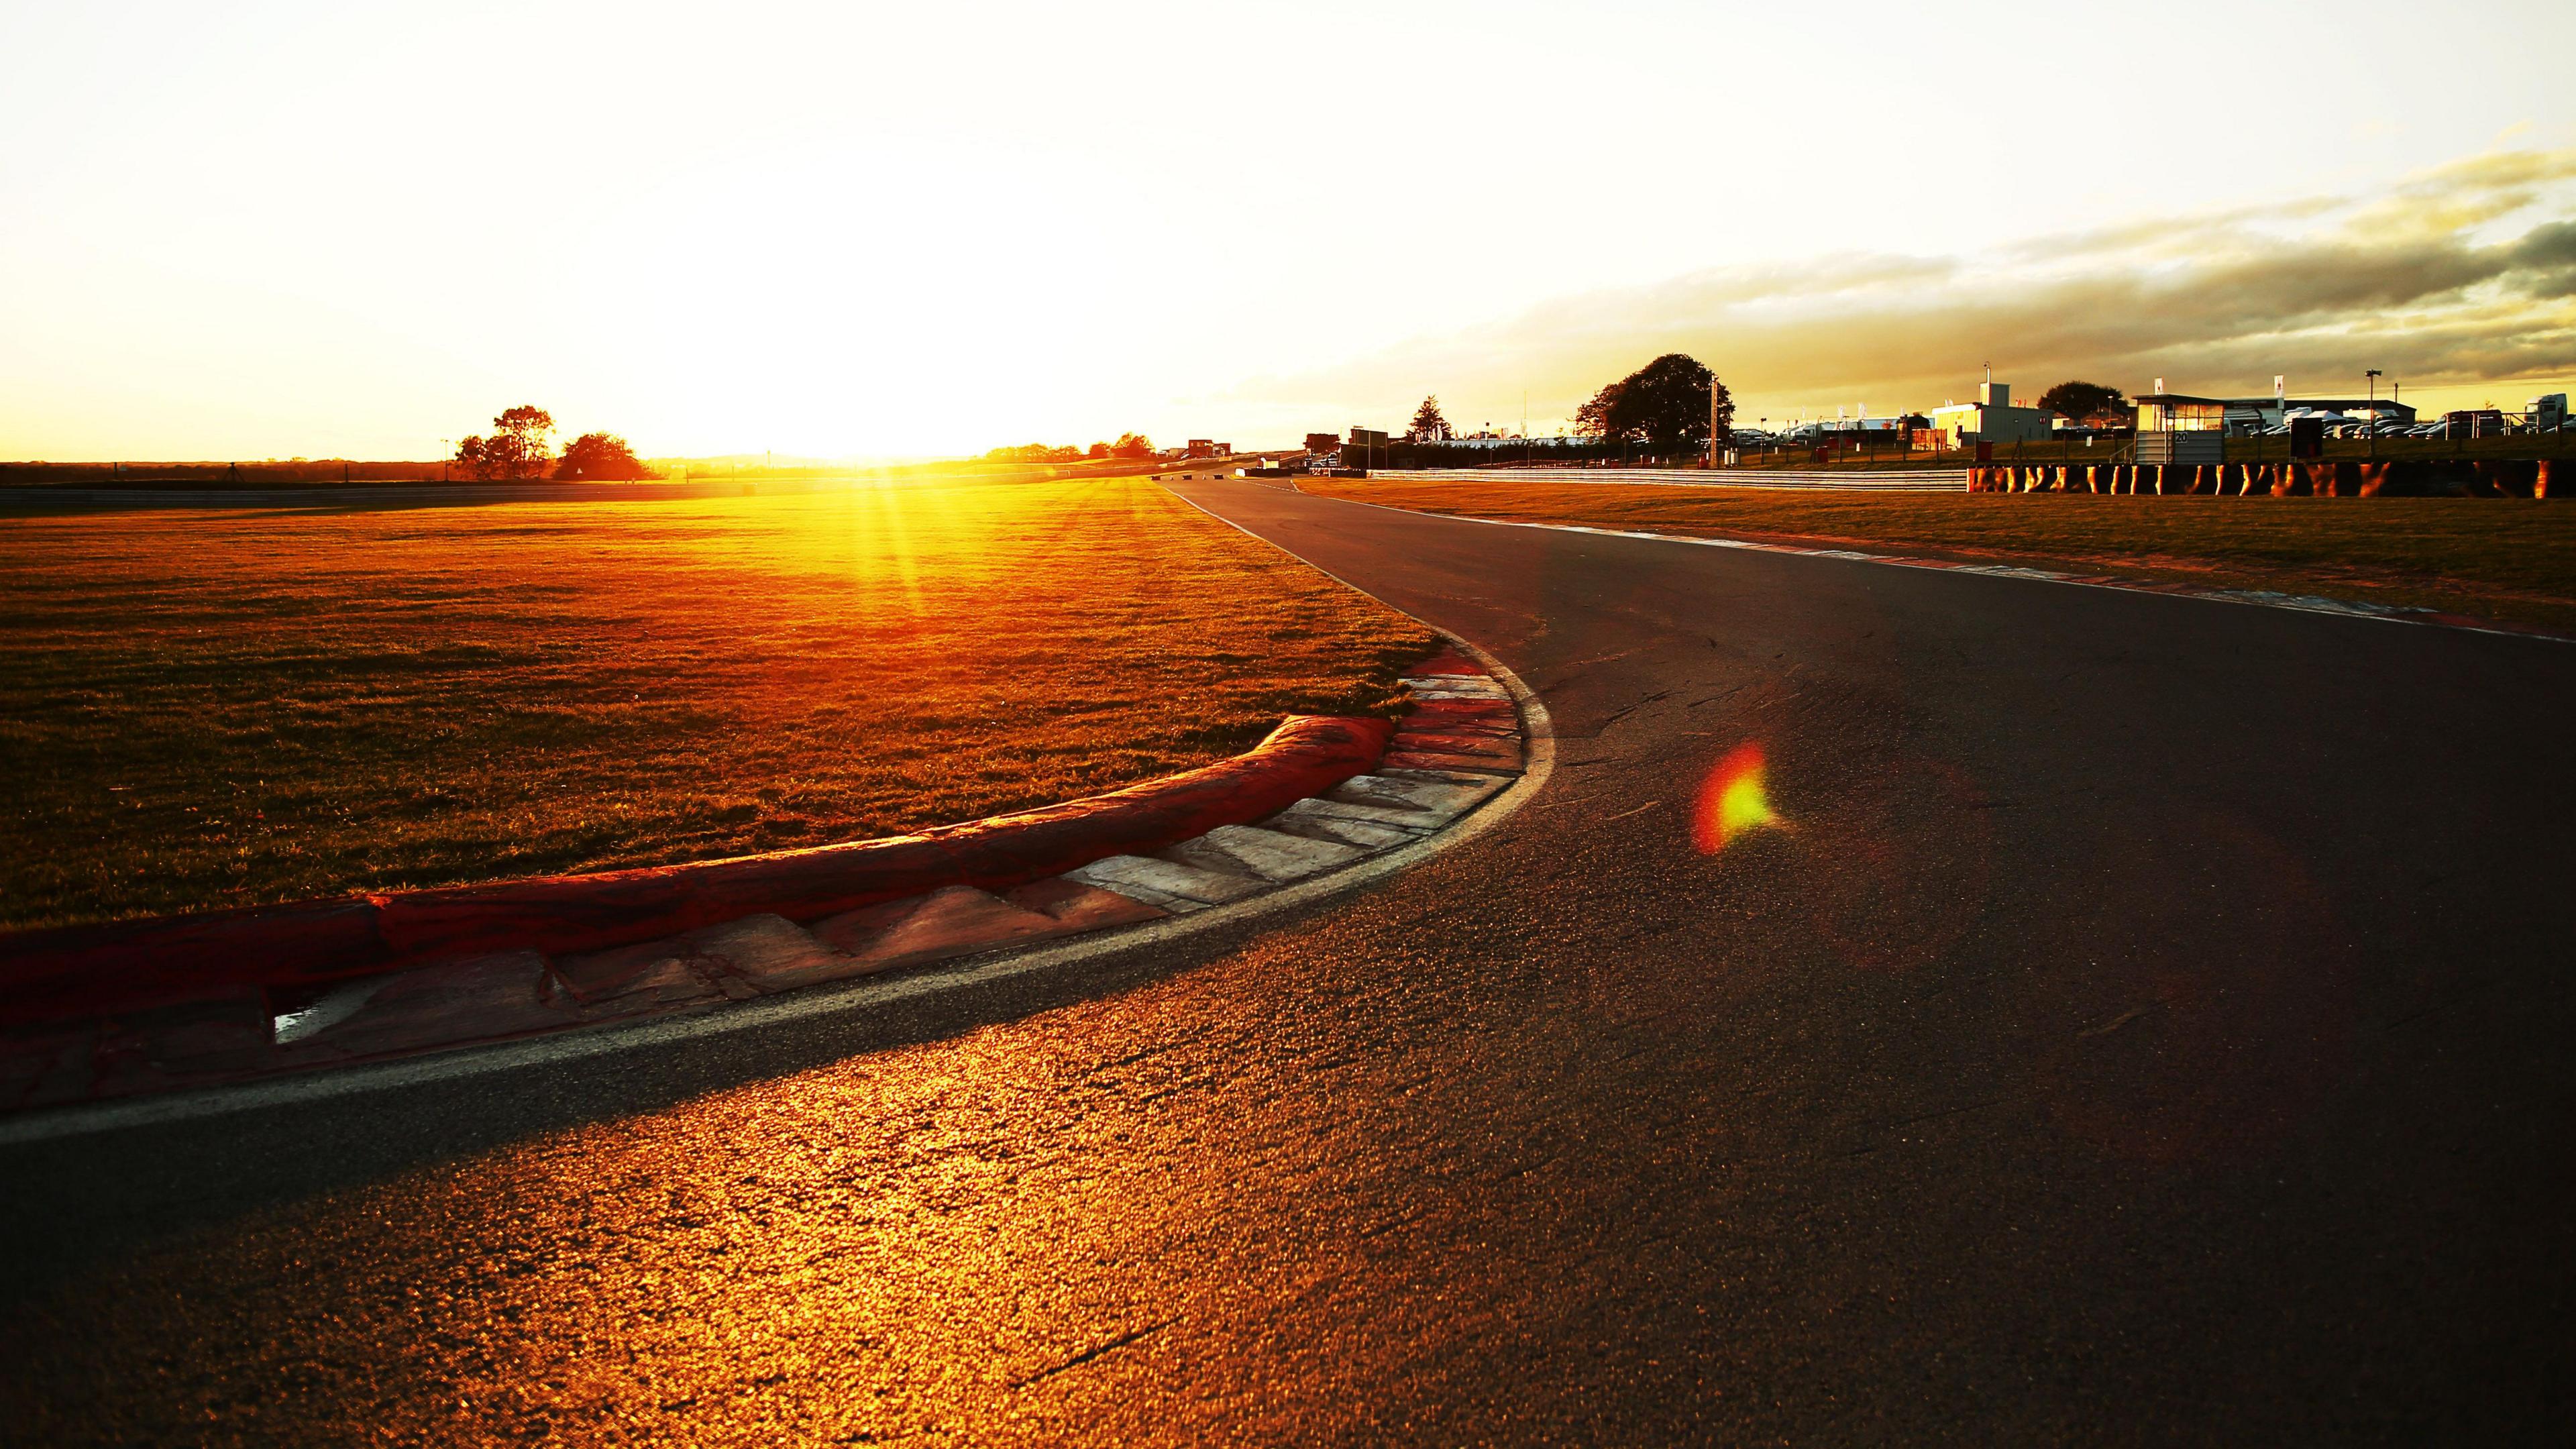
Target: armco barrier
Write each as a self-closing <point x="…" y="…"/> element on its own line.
<point x="1926" y="480"/>
<point x="128" y="964"/>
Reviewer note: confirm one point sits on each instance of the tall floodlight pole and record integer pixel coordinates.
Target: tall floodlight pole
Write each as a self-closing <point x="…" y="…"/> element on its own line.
<point x="2371" y="375"/>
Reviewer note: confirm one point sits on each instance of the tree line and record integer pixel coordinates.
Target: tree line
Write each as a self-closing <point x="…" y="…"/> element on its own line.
<point x="2091" y="404"/>
<point x="1670" y="406"/>
<point x="1129" y="445"/>
<point x="1667" y="407"/>
<point x="521" y="446"/>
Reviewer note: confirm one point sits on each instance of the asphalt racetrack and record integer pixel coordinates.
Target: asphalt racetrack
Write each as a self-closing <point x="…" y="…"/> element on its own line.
<point x="2146" y="1020"/>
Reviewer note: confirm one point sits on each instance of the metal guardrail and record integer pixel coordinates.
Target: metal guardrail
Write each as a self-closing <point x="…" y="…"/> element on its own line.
<point x="1912" y="480"/>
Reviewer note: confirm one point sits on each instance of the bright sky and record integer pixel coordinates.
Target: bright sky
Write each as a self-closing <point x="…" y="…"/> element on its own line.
<point x="255" y="230"/>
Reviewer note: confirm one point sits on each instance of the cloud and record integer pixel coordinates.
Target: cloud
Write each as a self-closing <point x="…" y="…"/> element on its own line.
<point x="2464" y="274"/>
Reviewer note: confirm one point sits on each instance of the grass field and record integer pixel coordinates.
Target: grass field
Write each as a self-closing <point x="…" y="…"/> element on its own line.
<point x="218" y="708"/>
<point x="2505" y="559"/>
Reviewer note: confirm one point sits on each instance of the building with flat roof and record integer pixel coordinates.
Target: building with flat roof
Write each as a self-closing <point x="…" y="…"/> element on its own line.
<point x="1992" y="418"/>
<point x="2175" y="412"/>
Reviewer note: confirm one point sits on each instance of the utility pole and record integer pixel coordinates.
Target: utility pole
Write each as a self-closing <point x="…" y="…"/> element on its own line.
<point x="2371" y="428"/>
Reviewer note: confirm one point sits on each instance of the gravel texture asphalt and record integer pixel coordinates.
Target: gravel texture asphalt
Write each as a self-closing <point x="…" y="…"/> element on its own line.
<point x="2146" y="1020"/>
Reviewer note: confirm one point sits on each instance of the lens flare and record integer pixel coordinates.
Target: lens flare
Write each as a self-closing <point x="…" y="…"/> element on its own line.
<point x="1731" y="800"/>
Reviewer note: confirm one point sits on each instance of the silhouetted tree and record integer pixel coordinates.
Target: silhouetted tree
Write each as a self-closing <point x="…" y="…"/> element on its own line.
<point x="1132" y="445"/>
<point x="1593" y="418"/>
<point x="2087" y="402"/>
<point x="518" y="447"/>
<point x="1428" y="425"/>
<point x="600" y="456"/>
<point x="1098" y="450"/>
<point x="1664" y="404"/>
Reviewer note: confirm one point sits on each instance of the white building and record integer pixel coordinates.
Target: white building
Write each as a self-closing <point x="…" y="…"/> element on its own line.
<point x="1992" y="419"/>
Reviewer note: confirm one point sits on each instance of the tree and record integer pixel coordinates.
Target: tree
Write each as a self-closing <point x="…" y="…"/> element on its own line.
<point x="600" y="456"/>
<point x="1428" y="425"/>
<point x="1664" y="404"/>
<point x="1098" y="450"/>
<point x="1132" y="445"/>
<point x="2088" y="402"/>
<point x="516" y="449"/>
<point x="1593" y="418"/>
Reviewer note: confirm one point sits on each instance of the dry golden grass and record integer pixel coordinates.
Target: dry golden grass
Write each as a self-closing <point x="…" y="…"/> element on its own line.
<point x="219" y="708"/>
<point x="2496" y="558"/>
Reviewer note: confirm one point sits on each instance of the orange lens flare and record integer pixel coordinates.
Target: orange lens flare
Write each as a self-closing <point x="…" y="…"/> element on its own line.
<point x="1731" y="800"/>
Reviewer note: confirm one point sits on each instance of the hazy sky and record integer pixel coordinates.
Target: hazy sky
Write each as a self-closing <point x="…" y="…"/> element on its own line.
<point x="258" y="230"/>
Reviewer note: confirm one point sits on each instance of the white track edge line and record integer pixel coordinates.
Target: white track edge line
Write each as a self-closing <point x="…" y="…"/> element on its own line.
<point x="2035" y="576"/>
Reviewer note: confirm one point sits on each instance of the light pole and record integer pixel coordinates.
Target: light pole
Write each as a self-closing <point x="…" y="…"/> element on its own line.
<point x="2371" y="376"/>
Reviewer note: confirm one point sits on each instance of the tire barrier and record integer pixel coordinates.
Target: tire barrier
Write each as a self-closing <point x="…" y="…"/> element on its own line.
<point x="2337" y="478"/>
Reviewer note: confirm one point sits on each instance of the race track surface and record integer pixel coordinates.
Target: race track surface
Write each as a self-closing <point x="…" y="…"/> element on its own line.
<point x="2147" y="1020"/>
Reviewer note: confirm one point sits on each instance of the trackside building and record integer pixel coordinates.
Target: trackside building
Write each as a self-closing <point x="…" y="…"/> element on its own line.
<point x="1992" y="419"/>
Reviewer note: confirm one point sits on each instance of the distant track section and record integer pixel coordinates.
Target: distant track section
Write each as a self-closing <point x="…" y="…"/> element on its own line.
<point x="1924" y="480"/>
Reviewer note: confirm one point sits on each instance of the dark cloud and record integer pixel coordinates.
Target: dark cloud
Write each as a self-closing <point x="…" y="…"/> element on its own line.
<point x="2462" y="275"/>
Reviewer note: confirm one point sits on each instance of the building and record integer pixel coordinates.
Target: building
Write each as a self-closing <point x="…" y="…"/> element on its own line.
<point x="1991" y="419"/>
<point x="2173" y="412"/>
<point x="2175" y="429"/>
<point x="1856" y="432"/>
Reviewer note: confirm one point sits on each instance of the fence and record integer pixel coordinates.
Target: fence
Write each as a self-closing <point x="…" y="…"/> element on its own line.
<point x="2461" y="436"/>
<point x="1917" y="480"/>
<point x="2323" y="478"/>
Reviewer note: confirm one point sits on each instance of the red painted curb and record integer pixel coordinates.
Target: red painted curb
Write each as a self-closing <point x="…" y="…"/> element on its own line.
<point x="124" y="964"/>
